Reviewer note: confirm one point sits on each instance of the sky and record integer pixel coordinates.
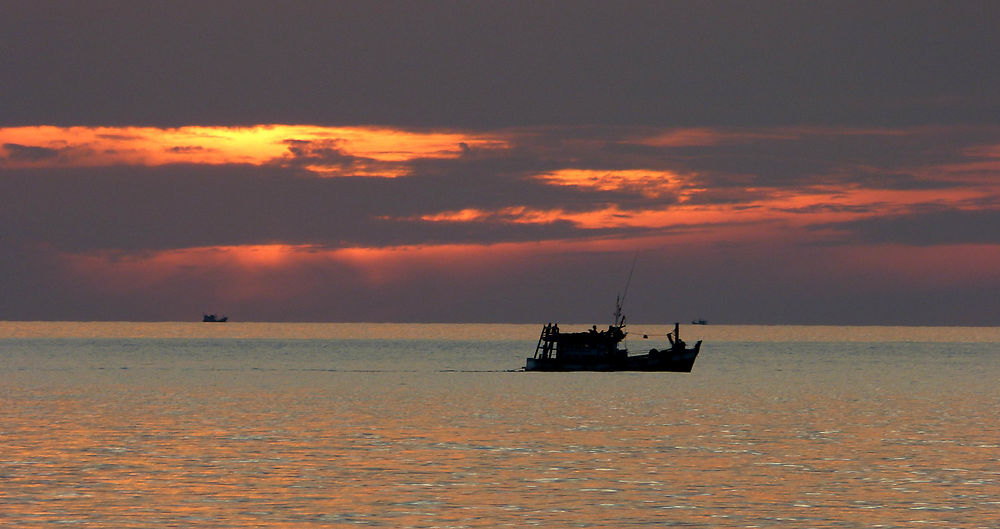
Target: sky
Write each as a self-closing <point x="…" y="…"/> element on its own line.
<point x="743" y="162"/>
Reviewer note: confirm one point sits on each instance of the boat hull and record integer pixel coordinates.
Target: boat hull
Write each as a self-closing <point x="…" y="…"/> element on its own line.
<point x="679" y="361"/>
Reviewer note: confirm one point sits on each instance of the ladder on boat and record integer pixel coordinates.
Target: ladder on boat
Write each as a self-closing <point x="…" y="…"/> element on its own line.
<point x="546" y="341"/>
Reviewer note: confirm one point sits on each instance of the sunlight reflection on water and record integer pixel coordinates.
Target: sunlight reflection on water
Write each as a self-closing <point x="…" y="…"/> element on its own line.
<point x="479" y="331"/>
<point x="128" y="431"/>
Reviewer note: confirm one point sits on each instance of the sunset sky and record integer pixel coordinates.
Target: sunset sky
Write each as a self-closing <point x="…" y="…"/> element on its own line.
<point x="760" y="162"/>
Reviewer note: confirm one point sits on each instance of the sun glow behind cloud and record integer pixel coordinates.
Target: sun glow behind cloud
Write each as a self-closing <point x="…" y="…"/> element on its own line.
<point x="269" y="271"/>
<point x="287" y="275"/>
<point x="50" y="146"/>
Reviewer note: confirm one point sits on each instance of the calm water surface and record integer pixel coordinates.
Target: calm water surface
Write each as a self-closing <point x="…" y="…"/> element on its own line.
<point x="337" y="425"/>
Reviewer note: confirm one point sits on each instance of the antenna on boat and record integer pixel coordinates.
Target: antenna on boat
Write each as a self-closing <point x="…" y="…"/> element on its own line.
<point x="620" y="299"/>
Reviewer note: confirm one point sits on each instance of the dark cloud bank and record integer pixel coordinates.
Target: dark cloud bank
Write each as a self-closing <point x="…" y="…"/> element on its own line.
<point x="488" y="64"/>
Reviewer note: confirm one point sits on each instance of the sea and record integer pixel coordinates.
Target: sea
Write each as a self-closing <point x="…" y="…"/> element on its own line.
<point x="143" y="425"/>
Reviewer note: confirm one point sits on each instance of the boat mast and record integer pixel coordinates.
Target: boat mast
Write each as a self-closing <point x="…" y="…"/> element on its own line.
<point x="620" y="299"/>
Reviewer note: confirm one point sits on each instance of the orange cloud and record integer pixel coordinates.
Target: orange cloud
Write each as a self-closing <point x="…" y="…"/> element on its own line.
<point x="782" y="209"/>
<point x="372" y="151"/>
<point x="512" y="215"/>
<point x="262" y="144"/>
<point x="649" y="183"/>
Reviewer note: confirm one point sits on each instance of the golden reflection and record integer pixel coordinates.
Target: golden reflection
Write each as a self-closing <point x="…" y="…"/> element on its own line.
<point x="188" y="436"/>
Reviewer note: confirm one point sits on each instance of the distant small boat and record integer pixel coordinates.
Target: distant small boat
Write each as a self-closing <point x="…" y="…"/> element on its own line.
<point x="595" y="350"/>
<point x="213" y="318"/>
<point x="699" y="322"/>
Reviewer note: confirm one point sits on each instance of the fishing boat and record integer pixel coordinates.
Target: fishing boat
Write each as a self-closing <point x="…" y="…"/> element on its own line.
<point x="213" y="318"/>
<point x="595" y="350"/>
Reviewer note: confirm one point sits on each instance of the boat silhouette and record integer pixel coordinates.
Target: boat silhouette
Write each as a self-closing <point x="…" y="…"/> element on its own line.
<point x="213" y="318"/>
<point x="595" y="350"/>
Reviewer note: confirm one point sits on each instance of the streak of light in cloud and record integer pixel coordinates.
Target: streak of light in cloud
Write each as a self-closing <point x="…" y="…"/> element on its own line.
<point x="262" y="144"/>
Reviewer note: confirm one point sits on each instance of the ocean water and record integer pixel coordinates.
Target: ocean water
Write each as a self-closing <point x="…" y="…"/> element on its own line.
<point x="345" y="425"/>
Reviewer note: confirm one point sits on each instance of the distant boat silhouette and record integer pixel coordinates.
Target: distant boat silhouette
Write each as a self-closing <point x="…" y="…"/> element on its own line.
<point x="213" y="318"/>
<point x="699" y="322"/>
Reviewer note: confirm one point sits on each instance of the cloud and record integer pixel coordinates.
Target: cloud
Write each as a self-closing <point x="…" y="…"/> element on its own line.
<point x="327" y="151"/>
<point x="511" y="185"/>
<point x="771" y="224"/>
<point x="504" y="64"/>
<point x="767" y="282"/>
<point x="153" y="208"/>
<point x="897" y="159"/>
<point x="29" y="153"/>
<point x="185" y="148"/>
<point x="329" y="158"/>
<point x="924" y="228"/>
